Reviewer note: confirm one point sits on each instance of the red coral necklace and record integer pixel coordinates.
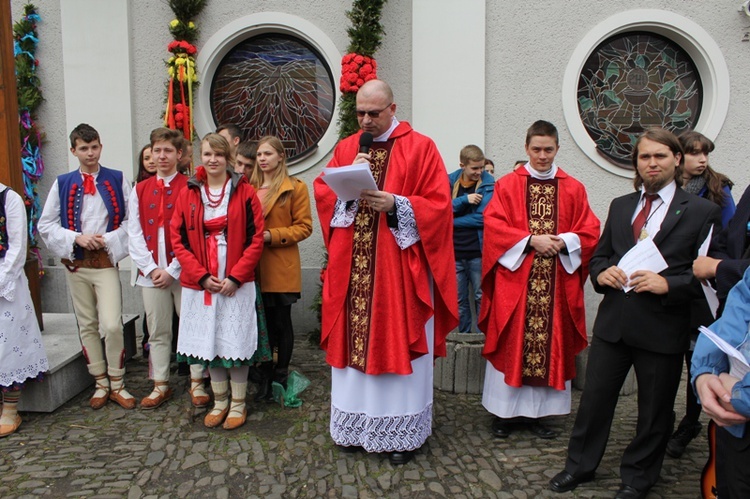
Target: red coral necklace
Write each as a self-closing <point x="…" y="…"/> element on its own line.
<point x="215" y="201"/>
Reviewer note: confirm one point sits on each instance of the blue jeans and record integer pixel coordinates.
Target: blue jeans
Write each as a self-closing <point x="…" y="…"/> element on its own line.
<point x="468" y="271"/>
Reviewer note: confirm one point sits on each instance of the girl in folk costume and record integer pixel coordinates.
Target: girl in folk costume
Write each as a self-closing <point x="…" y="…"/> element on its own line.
<point x="22" y="355"/>
<point x="217" y="236"/>
<point x="286" y="208"/>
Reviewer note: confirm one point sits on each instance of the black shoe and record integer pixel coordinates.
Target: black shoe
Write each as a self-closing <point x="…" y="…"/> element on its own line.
<point x="680" y="439"/>
<point x="542" y="431"/>
<point x="500" y="428"/>
<point x="628" y="492"/>
<point x="565" y="482"/>
<point x="400" y="457"/>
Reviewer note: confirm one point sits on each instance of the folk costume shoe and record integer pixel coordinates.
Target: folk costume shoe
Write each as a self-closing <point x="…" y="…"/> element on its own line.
<point x="198" y="395"/>
<point x="10" y="420"/>
<point x="117" y="391"/>
<point x="218" y="414"/>
<point x="158" y="396"/>
<point x="237" y="411"/>
<point x="101" y="395"/>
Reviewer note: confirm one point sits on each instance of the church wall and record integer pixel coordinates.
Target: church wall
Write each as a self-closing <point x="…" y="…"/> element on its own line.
<point x="528" y="47"/>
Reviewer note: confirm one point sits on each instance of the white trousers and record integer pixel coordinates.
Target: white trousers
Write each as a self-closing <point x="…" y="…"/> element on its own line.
<point x="159" y="304"/>
<point x="97" y="303"/>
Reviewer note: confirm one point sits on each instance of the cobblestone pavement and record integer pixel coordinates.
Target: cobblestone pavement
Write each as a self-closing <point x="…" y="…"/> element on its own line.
<point x="78" y="452"/>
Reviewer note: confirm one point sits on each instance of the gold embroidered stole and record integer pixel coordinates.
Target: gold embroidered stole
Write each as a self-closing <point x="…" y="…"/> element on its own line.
<point x="362" y="277"/>
<point x="542" y="207"/>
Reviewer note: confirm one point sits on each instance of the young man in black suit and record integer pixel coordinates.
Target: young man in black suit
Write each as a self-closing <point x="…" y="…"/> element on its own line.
<point x="646" y="327"/>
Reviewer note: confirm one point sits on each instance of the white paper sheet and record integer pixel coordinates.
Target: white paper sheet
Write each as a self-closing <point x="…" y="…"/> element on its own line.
<point x="349" y="181"/>
<point x="708" y="291"/>
<point x="643" y="256"/>
<point x="738" y="363"/>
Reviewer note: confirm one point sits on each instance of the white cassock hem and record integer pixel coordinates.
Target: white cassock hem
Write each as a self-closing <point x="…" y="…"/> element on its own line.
<point x="387" y="412"/>
<point x="528" y="401"/>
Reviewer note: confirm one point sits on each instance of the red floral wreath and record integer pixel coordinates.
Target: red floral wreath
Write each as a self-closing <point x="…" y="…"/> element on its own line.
<point x="355" y="71"/>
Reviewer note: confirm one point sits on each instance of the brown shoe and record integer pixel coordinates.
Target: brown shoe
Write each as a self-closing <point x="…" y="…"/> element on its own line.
<point x="9" y="429"/>
<point x="148" y="403"/>
<point x="214" y="420"/>
<point x="118" y="394"/>
<point x="198" y="400"/>
<point x="99" y="402"/>
<point x="234" y="422"/>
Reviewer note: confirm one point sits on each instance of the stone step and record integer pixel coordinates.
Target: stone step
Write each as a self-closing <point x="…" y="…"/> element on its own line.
<point x="68" y="375"/>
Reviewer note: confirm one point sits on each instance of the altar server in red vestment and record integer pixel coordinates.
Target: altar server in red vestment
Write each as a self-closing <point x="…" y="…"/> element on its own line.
<point x="539" y="234"/>
<point x="389" y="291"/>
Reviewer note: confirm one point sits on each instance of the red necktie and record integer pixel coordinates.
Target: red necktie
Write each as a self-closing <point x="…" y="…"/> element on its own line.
<point x="88" y="184"/>
<point x="160" y="184"/>
<point x="642" y="217"/>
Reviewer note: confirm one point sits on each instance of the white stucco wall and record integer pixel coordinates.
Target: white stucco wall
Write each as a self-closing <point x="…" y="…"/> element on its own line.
<point x="527" y="48"/>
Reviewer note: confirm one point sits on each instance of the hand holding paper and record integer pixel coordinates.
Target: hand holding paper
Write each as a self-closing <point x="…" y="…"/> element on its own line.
<point x="643" y="256"/>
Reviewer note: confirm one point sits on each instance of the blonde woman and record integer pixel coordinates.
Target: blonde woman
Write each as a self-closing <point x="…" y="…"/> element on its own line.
<point x="217" y="236"/>
<point x="286" y="212"/>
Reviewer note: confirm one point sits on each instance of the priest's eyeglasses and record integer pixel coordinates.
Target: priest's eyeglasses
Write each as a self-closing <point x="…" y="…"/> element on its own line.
<point x="372" y="114"/>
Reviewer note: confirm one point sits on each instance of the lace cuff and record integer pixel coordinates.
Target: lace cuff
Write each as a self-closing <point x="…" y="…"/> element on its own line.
<point x="8" y="289"/>
<point x="344" y="213"/>
<point x="406" y="233"/>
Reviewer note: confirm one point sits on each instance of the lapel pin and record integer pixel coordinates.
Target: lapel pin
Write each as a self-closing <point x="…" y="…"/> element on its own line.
<point x="678" y="212"/>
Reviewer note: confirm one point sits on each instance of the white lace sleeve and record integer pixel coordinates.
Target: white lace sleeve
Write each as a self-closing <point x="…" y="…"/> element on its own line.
<point x="406" y="233"/>
<point x="343" y="216"/>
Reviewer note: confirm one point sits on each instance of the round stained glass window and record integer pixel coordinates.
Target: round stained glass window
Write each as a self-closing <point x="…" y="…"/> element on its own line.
<point x="275" y="84"/>
<point x="634" y="81"/>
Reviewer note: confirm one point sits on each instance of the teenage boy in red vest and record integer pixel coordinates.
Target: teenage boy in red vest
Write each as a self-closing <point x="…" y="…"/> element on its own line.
<point x="83" y="223"/>
<point x="151" y="205"/>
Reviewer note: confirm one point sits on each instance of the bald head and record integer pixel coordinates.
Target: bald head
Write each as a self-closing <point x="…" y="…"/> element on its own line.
<point x="375" y="107"/>
<point x="377" y="87"/>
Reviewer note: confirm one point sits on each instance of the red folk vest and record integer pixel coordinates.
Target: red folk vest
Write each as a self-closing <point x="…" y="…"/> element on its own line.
<point x="148" y="210"/>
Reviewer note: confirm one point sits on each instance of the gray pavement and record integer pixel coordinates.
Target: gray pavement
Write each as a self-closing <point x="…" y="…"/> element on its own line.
<point x="168" y="453"/>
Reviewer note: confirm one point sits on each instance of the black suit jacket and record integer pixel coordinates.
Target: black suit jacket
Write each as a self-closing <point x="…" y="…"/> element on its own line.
<point x="657" y="323"/>
<point x="729" y="246"/>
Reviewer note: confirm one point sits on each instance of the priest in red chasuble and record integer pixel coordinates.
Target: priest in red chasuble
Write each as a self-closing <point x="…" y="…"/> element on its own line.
<point x="539" y="234"/>
<point x="389" y="290"/>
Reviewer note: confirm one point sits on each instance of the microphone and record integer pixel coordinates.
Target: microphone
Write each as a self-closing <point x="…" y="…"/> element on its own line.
<point x="365" y="142"/>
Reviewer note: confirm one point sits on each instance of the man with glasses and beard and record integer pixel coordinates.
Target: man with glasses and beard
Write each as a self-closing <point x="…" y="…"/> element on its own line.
<point x="641" y="320"/>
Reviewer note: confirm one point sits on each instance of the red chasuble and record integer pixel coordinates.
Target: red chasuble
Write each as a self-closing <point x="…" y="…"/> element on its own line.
<point x="397" y="295"/>
<point x="530" y="342"/>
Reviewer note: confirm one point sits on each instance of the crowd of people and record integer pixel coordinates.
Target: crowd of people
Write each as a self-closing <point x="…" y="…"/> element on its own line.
<point x="215" y="252"/>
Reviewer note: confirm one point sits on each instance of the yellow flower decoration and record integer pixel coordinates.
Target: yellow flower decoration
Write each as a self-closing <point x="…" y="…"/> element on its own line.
<point x="174" y="23"/>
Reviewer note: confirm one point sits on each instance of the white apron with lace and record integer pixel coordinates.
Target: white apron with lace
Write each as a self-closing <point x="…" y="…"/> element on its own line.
<point x="228" y="328"/>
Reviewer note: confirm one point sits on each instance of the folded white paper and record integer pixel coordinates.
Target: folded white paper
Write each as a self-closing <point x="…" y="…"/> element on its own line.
<point x="349" y="181"/>
<point x="737" y="362"/>
<point x="643" y="256"/>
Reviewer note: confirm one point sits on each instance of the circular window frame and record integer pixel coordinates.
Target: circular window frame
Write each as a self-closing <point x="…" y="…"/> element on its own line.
<point x="699" y="45"/>
<point x="225" y="39"/>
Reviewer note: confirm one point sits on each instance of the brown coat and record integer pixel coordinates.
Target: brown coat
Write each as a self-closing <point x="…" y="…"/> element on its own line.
<point x="290" y="223"/>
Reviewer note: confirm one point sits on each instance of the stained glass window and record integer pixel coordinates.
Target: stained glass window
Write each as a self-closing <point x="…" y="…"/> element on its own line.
<point x="634" y="81"/>
<point x="275" y="84"/>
